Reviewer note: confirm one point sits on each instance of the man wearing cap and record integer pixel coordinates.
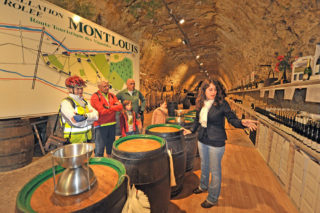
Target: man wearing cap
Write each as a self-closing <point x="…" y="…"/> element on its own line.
<point x="77" y="115"/>
<point x="135" y="96"/>
<point x="107" y="105"/>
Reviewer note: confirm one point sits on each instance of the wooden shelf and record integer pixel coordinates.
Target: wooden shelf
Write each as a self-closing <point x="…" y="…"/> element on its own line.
<point x="312" y="87"/>
<point x="289" y="136"/>
<point x="245" y="91"/>
<point x="276" y="127"/>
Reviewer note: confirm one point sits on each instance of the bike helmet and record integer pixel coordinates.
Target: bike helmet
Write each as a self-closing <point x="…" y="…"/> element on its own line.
<point x="75" y="81"/>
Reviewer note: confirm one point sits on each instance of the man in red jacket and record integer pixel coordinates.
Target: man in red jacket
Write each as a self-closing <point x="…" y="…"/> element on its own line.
<point x="107" y="105"/>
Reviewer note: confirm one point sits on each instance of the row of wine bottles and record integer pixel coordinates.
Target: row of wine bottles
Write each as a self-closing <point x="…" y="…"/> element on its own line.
<point x="297" y="123"/>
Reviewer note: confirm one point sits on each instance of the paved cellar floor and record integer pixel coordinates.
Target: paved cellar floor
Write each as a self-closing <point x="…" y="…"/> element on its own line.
<point x="248" y="184"/>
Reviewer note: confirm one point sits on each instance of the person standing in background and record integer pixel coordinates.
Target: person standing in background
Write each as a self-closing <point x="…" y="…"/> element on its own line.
<point x="77" y="115"/>
<point x="212" y="109"/>
<point x="129" y="123"/>
<point x="107" y="105"/>
<point x="160" y="114"/>
<point x="135" y="96"/>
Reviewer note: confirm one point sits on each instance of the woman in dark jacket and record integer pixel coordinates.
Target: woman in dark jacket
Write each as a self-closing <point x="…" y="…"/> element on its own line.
<point x="212" y="110"/>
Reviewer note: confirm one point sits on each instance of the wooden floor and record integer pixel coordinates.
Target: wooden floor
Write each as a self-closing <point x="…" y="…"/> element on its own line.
<point x="248" y="184"/>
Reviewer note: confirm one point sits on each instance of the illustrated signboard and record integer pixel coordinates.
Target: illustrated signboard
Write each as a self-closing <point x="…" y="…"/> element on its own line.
<point x="298" y="67"/>
<point x="42" y="44"/>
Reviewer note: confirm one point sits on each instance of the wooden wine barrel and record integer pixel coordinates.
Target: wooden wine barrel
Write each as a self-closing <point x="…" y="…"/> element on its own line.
<point x="175" y="141"/>
<point x="147" y="165"/>
<point x="109" y="194"/>
<point x="16" y="144"/>
<point x="171" y="107"/>
<point x="187" y="123"/>
<point x="190" y="139"/>
<point x="190" y="114"/>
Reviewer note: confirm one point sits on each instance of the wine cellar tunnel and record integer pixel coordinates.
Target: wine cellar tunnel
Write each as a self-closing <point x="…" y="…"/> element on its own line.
<point x="264" y="54"/>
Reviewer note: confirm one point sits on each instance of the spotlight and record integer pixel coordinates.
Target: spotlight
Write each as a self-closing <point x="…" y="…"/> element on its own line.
<point x="181" y="21"/>
<point x="184" y="42"/>
<point x="198" y="56"/>
<point x="201" y="64"/>
<point x="76" y="19"/>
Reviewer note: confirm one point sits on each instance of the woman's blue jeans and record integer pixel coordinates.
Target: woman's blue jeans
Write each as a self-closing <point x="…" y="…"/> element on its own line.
<point x="211" y="163"/>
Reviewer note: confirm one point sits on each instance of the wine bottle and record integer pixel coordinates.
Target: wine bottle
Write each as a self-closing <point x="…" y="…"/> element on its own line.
<point x="318" y="137"/>
<point x="294" y="124"/>
<point x="314" y="135"/>
<point x="303" y="130"/>
<point x="291" y="121"/>
<point x="307" y="71"/>
<point x="308" y="132"/>
<point x="297" y="126"/>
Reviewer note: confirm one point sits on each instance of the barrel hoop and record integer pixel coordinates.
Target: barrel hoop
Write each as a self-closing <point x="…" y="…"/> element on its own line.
<point x="163" y="125"/>
<point x="16" y="165"/>
<point x="122" y="155"/>
<point x="152" y="137"/>
<point x="174" y="118"/>
<point x="16" y="153"/>
<point x="21" y="124"/>
<point x="167" y="135"/>
<point x="14" y="137"/>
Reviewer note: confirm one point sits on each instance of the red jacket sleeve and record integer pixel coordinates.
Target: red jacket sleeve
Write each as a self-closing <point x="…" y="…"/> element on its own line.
<point x="98" y="105"/>
<point x="118" y="107"/>
<point x="137" y="121"/>
<point x="123" y="125"/>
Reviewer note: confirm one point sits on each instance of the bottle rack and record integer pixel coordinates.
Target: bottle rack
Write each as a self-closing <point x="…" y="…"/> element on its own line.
<point x="312" y="90"/>
<point x="276" y="127"/>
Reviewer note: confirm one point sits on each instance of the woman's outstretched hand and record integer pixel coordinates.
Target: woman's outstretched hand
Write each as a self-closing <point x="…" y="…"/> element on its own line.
<point x="186" y="131"/>
<point x="251" y="124"/>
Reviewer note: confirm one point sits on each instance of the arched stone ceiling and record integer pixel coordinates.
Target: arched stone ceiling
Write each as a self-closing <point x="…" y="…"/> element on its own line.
<point x="232" y="37"/>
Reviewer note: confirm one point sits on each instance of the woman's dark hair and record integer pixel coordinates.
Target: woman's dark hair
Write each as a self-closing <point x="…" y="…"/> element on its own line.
<point x="202" y="93"/>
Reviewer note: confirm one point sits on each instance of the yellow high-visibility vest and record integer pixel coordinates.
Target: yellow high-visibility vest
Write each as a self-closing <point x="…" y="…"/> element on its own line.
<point x="77" y="134"/>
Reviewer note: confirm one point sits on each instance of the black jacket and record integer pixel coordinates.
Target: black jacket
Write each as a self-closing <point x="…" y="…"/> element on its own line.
<point x="215" y="131"/>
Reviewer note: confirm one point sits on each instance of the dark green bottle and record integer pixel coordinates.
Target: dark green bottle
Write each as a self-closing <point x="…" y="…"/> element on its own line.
<point x="307" y="71"/>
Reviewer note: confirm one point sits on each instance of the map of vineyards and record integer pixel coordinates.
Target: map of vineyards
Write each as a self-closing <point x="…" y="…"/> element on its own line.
<point x="92" y="65"/>
<point x="114" y="67"/>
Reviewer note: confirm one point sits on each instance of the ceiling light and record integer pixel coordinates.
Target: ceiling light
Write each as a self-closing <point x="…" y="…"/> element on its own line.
<point x="184" y="42"/>
<point x="198" y="56"/>
<point x="181" y="21"/>
<point x="205" y="71"/>
<point x="201" y="64"/>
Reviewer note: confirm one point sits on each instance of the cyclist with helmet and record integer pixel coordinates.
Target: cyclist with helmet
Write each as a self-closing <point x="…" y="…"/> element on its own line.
<point x="77" y="114"/>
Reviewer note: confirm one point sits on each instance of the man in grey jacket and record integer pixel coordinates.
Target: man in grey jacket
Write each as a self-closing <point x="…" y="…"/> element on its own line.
<point x="135" y="96"/>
